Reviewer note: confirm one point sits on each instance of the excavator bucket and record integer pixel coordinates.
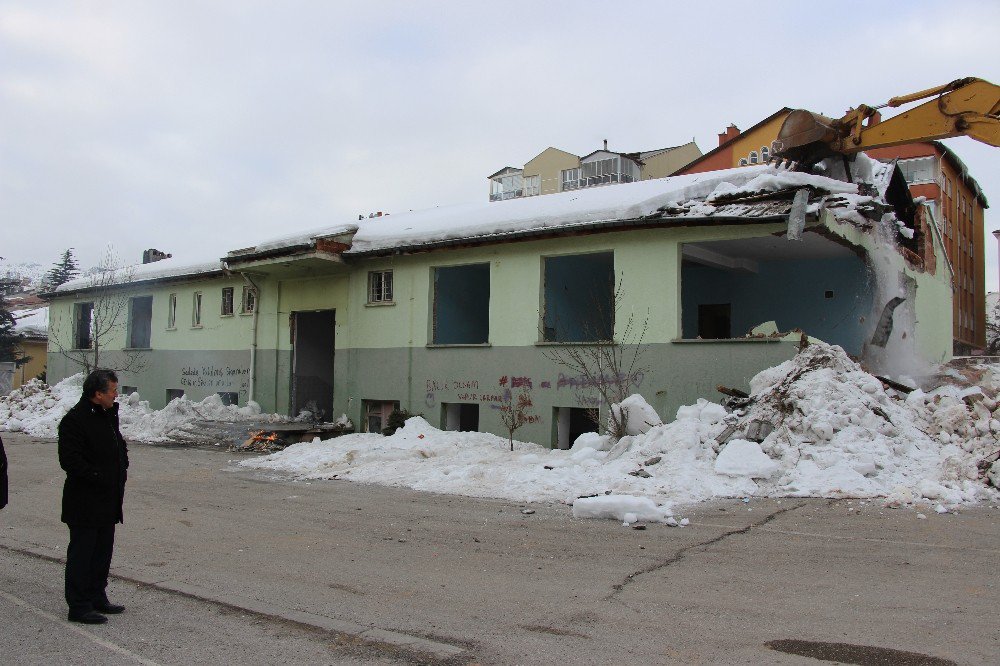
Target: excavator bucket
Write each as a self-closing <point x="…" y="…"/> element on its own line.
<point x="805" y="137"/>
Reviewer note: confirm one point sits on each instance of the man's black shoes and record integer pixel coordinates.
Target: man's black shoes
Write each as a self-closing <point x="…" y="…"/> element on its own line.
<point x="109" y="608"/>
<point x="89" y="617"/>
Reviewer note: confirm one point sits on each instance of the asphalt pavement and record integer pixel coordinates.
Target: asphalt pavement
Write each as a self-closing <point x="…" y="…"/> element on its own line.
<point x="224" y="565"/>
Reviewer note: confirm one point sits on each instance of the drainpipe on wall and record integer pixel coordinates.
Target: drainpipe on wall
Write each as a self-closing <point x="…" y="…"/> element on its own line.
<point x="253" y="343"/>
<point x="252" y="394"/>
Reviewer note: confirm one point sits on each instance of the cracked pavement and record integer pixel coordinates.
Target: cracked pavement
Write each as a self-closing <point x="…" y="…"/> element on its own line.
<point x="511" y="588"/>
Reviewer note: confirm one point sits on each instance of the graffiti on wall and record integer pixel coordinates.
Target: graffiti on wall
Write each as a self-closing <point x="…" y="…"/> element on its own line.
<point x="580" y="387"/>
<point x="216" y="377"/>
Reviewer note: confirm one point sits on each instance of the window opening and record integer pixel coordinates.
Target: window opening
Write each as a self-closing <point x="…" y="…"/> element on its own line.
<point x="380" y="287"/>
<point x="249" y="299"/>
<point x="229" y="398"/>
<point x="173" y="394"/>
<point x="461" y="305"/>
<point x="196" y="309"/>
<point x="460" y="416"/>
<point x="377" y="414"/>
<point x="753" y="157"/>
<point x="128" y="390"/>
<point x="140" y="321"/>
<point x="227" y="301"/>
<point x="532" y="186"/>
<point x="172" y="311"/>
<point x="715" y="321"/>
<point x="578" y="298"/>
<point x="83" y="326"/>
<point x="570" y="179"/>
<point x="571" y="422"/>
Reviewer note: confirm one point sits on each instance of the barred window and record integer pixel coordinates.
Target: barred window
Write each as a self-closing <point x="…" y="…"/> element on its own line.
<point x="249" y="300"/>
<point x="380" y="287"/>
<point x="227" y="301"/>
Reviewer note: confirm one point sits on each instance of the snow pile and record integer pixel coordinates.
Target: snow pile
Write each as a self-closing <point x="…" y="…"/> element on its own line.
<point x="825" y="428"/>
<point x="993" y="323"/>
<point x="36" y="409"/>
<point x="639" y="417"/>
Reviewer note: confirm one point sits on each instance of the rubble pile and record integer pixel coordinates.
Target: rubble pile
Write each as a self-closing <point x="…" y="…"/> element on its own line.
<point x="826" y="421"/>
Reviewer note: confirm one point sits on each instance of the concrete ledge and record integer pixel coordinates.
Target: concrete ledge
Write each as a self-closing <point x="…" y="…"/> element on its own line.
<point x="394" y="639"/>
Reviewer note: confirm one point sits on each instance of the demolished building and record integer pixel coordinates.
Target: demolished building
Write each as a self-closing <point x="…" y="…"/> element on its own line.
<point x="447" y="312"/>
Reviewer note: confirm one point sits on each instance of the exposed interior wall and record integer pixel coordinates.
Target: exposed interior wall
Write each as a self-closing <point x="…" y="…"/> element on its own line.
<point x="792" y="293"/>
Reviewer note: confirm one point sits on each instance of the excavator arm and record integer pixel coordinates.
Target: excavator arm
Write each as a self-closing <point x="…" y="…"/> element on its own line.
<point x="969" y="107"/>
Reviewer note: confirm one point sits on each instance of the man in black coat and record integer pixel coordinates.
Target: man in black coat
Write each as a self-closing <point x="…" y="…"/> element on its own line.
<point x="3" y="476"/>
<point x="93" y="453"/>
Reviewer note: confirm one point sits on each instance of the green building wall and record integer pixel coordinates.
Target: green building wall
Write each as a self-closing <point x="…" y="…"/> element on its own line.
<point x="383" y="351"/>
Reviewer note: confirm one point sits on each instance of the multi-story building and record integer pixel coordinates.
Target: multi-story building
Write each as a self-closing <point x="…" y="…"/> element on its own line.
<point x="554" y="170"/>
<point x="933" y="171"/>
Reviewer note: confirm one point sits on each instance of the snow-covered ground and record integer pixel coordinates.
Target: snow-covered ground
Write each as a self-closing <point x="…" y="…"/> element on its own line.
<point x="834" y="431"/>
<point x="837" y="433"/>
<point x="36" y="409"/>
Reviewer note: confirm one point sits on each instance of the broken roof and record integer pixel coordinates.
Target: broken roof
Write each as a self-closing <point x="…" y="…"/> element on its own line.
<point x="582" y="209"/>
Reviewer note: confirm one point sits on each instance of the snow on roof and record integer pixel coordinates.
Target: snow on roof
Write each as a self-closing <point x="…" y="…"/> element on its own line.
<point x="301" y="238"/>
<point x="578" y="208"/>
<point x="33" y="323"/>
<point x="157" y="270"/>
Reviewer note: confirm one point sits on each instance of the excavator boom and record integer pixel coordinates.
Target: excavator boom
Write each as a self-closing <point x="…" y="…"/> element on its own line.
<point x="969" y="107"/>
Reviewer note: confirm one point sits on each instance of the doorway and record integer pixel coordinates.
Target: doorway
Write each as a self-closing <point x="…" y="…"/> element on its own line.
<point x="312" y="363"/>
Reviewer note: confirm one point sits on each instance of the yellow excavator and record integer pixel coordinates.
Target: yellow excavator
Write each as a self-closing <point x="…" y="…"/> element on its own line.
<point x="966" y="107"/>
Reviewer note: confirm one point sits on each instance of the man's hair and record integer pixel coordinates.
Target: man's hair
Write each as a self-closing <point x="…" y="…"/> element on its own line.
<point x="98" y="380"/>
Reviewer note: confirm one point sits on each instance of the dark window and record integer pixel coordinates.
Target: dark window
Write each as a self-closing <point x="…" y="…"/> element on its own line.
<point x="229" y="398"/>
<point x="140" y="321"/>
<point x="571" y="422"/>
<point x="127" y="390"/>
<point x="714" y="321"/>
<point x="172" y="311"/>
<point x="227" y="301"/>
<point x="83" y="325"/>
<point x="462" y="305"/>
<point x="579" y="298"/>
<point x="377" y="414"/>
<point x="196" y="309"/>
<point x="461" y="416"/>
<point x="174" y="393"/>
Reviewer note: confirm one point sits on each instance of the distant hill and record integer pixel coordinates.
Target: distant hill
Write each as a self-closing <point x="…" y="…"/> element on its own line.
<point x="29" y="274"/>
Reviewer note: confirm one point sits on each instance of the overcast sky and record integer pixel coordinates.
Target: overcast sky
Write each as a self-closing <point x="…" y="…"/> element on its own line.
<point x="199" y="127"/>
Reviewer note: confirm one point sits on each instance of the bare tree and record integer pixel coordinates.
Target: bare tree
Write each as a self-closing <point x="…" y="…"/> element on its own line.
<point x="515" y="412"/>
<point x="605" y="364"/>
<point x="96" y="323"/>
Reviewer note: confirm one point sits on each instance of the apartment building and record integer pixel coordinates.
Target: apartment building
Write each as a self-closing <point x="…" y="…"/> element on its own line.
<point x="554" y="170"/>
<point x="935" y="172"/>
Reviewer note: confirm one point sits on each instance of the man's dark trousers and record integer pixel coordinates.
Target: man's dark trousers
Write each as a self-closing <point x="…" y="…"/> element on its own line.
<point x="88" y="561"/>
